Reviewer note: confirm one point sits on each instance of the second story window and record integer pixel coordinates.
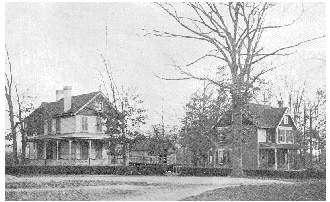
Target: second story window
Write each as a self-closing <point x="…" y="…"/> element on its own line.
<point x="46" y="127"/>
<point x="98" y="124"/>
<point x="84" y="123"/>
<point x="286" y="120"/>
<point x="99" y="106"/>
<point x="58" y="126"/>
<point x="53" y="126"/>
<point x="289" y="136"/>
<point x="281" y="135"/>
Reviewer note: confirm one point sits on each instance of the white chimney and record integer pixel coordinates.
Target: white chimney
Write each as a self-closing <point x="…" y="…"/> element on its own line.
<point x="59" y="95"/>
<point x="280" y="104"/>
<point x="67" y="98"/>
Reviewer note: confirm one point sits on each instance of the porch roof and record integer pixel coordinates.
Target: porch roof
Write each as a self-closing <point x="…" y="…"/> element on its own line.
<point x="267" y="145"/>
<point x="90" y="136"/>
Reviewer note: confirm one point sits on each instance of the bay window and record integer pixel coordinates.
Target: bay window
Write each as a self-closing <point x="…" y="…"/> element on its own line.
<point x="285" y="136"/>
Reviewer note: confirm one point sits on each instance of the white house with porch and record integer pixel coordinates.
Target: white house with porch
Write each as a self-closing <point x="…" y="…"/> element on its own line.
<point x="69" y="131"/>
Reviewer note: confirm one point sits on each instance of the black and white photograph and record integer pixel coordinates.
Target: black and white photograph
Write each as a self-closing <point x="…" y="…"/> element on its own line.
<point x="165" y="101"/>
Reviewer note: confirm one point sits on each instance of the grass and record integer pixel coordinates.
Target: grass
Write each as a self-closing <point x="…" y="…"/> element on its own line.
<point x="302" y="191"/>
<point x="68" y="195"/>
<point x="68" y="183"/>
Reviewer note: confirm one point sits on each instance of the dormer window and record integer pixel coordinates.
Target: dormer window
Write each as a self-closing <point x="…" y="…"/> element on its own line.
<point x="99" y="106"/>
<point x="286" y="120"/>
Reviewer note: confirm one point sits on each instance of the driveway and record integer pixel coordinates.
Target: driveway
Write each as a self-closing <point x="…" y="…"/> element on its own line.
<point x="127" y="188"/>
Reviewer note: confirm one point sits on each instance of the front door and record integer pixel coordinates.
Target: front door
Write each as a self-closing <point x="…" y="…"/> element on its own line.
<point x="84" y="150"/>
<point x="49" y="150"/>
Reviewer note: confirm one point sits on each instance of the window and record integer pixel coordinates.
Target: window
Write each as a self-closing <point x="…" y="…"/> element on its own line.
<point x="53" y="126"/>
<point x="220" y="157"/>
<point x="58" y="129"/>
<point x="99" y="106"/>
<point x="281" y="134"/>
<point x="286" y="120"/>
<point x="98" y="124"/>
<point x="84" y="123"/>
<point x="46" y="127"/>
<point x="289" y="136"/>
<point x="285" y="136"/>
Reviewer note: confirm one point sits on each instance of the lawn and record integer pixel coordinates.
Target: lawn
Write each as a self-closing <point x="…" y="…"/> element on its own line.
<point x="301" y="191"/>
<point x="159" y="188"/>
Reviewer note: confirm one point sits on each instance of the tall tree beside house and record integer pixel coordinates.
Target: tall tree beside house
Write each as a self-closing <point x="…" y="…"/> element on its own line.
<point x="9" y="97"/>
<point x="203" y="112"/>
<point x="25" y="107"/>
<point x="126" y="116"/>
<point x="234" y="31"/>
<point x="316" y="124"/>
<point x="20" y="104"/>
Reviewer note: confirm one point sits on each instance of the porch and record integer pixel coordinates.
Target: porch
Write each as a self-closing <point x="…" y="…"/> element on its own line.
<point x="51" y="152"/>
<point x="279" y="159"/>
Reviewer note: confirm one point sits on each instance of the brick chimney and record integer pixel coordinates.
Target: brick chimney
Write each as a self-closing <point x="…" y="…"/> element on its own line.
<point x="280" y="104"/>
<point x="59" y="95"/>
<point x="67" y="98"/>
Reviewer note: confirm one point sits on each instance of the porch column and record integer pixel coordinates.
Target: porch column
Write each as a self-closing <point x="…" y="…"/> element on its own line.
<point x="275" y="159"/>
<point x="288" y="158"/>
<point x="35" y="149"/>
<point x="214" y="158"/>
<point x="258" y="158"/>
<point x="90" y="149"/>
<point x="57" y="154"/>
<point x="70" y="152"/>
<point x="45" y="149"/>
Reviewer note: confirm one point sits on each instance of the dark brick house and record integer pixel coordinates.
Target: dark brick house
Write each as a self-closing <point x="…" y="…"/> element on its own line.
<point x="269" y="140"/>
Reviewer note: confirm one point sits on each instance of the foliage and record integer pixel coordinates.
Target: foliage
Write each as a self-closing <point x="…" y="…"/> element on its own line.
<point x="203" y="112"/>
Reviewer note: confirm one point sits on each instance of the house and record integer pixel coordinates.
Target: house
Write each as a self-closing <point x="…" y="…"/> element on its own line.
<point x="68" y="131"/>
<point x="269" y="141"/>
<point x="152" y="150"/>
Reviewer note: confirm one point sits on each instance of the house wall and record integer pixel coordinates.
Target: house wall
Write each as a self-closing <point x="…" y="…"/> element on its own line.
<point x="68" y="124"/>
<point x="250" y="149"/>
<point x="78" y="123"/>
<point x="91" y="124"/>
<point x="262" y="135"/>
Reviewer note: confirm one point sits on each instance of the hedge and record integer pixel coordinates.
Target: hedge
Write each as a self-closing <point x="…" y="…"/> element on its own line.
<point x="83" y="170"/>
<point x="296" y="174"/>
<point x="157" y="170"/>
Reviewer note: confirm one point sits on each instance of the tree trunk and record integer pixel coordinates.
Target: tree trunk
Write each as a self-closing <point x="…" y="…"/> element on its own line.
<point x="13" y="128"/>
<point x="310" y="139"/>
<point x="237" y="163"/>
<point x="23" y="145"/>
<point x="124" y="148"/>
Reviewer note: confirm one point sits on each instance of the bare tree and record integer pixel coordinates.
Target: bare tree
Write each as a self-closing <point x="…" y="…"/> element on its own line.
<point x="126" y="114"/>
<point x="24" y="108"/>
<point x="234" y="30"/>
<point x="9" y="97"/>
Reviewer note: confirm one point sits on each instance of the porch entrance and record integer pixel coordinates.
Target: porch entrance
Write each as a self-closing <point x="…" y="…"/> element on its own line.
<point x="84" y="150"/>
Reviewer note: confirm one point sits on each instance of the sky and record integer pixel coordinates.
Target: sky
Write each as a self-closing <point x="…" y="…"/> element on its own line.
<point x="52" y="45"/>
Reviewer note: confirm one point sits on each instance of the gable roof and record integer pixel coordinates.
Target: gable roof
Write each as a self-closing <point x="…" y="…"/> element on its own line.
<point x="57" y="108"/>
<point x="262" y="116"/>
